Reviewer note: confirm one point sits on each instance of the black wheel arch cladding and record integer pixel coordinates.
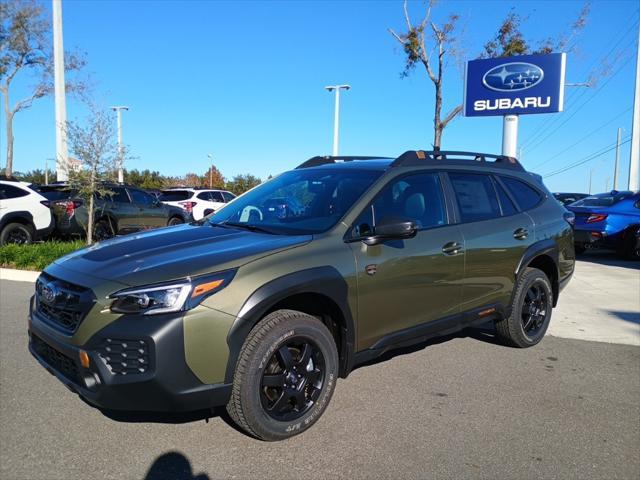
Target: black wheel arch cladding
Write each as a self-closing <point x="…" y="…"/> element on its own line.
<point x="326" y="281"/>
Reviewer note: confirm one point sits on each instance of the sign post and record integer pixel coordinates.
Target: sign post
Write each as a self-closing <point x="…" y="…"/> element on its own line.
<point x="513" y="86"/>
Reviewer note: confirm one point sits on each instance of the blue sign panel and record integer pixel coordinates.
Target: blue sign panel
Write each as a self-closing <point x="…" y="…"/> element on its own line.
<point x="520" y="85"/>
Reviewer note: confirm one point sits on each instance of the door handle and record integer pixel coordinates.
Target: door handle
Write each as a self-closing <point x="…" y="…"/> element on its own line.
<point x="520" y="233"/>
<point x="452" y="248"/>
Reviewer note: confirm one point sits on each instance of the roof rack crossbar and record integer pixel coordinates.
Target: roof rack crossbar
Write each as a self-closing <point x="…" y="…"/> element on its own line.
<point x="419" y="157"/>
<point x="324" y="160"/>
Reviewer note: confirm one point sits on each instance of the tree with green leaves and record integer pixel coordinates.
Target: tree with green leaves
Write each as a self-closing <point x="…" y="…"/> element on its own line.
<point x="241" y="183"/>
<point x="25" y="47"/>
<point x="435" y="44"/>
<point x="94" y="145"/>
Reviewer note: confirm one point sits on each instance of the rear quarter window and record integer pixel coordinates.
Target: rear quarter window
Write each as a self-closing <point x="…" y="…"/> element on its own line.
<point x="175" y="195"/>
<point x="526" y="196"/>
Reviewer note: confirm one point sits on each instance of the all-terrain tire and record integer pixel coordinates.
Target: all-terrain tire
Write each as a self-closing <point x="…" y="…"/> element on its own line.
<point x="276" y="331"/>
<point x="514" y="330"/>
<point x="175" y="221"/>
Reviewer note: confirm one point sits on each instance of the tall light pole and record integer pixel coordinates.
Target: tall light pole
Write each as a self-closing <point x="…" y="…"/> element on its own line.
<point x="336" y="118"/>
<point x="210" y="170"/>
<point x="118" y="109"/>
<point x="62" y="153"/>
<point x="634" y="161"/>
<point x="615" y="166"/>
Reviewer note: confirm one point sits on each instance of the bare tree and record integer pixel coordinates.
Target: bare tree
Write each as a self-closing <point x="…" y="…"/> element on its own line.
<point x="431" y="45"/>
<point x="94" y="145"/>
<point x="420" y="43"/>
<point x="25" y="46"/>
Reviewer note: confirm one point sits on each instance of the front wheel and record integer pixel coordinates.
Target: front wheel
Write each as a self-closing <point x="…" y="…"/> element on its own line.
<point x="16" y="233"/>
<point x="175" y="221"/>
<point x="530" y="312"/>
<point x="285" y="376"/>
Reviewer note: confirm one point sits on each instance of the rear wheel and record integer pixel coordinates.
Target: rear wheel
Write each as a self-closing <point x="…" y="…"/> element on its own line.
<point x="631" y="249"/>
<point x="285" y="376"/>
<point x="530" y="311"/>
<point x="103" y="230"/>
<point x="17" y="233"/>
<point x="175" y="221"/>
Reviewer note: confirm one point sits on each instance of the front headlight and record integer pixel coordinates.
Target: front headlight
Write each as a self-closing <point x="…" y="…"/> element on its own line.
<point x="169" y="297"/>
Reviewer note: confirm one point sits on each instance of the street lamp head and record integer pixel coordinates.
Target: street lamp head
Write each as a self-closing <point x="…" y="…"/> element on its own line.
<point x="331" y="88"/>
<point x="119" y="107"/>
<point x="209" y="156"/>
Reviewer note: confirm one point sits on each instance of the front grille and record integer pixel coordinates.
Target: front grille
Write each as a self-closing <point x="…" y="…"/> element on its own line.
<point x="57" y="360"/>
<point x="125" y="357"/>
<point x="62" y="304"/>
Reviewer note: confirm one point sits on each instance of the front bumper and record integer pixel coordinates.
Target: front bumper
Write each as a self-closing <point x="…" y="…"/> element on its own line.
<point x="160" y="379"/>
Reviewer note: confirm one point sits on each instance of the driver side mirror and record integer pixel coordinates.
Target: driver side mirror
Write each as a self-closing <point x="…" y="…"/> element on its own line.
<point x="392" y="228"/>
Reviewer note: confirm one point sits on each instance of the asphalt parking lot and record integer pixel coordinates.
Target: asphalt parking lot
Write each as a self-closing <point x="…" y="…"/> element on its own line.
<point x="458" y="407"/>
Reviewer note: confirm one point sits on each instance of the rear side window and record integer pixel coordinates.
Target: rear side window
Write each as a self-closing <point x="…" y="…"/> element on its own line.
<point x="476" y="196"/>
<point x="120" y="195"/>
<point x="526" y="196"/>
<point x="9" y="191"/>
<point x="175" y="195"/>
<point x="141" y="198"/>
<point x="204" y="196"/>
<point x="508" y="208"/>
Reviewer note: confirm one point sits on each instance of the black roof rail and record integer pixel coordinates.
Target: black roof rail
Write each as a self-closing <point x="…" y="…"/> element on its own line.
<point x="412" y="158"/>
<point x="324" y="160"/>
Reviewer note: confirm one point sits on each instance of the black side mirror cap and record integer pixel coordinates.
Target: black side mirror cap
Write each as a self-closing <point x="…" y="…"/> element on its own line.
<point x="392" y="228"/>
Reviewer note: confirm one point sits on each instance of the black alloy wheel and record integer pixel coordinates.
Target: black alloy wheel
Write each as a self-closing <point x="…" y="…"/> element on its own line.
<point x="18" y="235"/>
<point x="534" y="309"/>
<point x="292" y="380"/>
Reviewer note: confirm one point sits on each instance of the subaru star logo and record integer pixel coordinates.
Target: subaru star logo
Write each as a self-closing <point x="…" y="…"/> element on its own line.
<point x="49" y="293"/>
<point x="513" y="76"/>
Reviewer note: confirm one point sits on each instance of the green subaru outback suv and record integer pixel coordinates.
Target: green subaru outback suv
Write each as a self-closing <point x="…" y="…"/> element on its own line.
<point x="264" y="304"/>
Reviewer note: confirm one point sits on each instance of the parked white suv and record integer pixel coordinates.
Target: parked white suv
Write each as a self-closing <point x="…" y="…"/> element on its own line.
<point x="200" y="202"/>
<point x="25" y="215"/>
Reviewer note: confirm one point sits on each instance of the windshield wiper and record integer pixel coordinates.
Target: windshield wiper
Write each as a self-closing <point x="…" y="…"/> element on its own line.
<point x="247" y="226"/>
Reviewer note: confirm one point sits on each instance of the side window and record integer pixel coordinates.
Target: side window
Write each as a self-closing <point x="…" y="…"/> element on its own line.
<point x="228" y="196"/>
<point x="141" y="198"/>
<point x="476" y="196"/>
<point x="204" y="196"/>
<point x="216" y="197"/>
<point x="526" y="196"/>
<point x="9" y="191"/>
<point x="508" y="208"/>
<point x="120" y="195"/>
<point x="415" y="197"/>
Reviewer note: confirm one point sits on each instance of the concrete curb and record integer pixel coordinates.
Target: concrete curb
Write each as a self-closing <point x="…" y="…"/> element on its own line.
<point x="18" y="275"/>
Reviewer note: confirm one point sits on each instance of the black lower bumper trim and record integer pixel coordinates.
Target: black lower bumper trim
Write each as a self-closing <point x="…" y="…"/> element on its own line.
<point x="168" y="385"/>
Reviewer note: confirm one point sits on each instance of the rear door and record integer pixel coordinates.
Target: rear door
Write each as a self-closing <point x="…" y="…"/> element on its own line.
<point x="119" y="206"/>
<point x="495" y="235"/>
<point x="407" y="283"/>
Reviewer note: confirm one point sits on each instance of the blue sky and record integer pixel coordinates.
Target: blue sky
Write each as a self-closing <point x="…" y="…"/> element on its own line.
<point x="244" y="81"/>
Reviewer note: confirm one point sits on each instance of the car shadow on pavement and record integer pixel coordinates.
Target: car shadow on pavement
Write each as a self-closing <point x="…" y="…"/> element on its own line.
<point x="170" y="417"/>
<point x="485" y="333"/>
<point x="633" y="317"/>
<point x="607" y="258"/>
<point x="173" y="466"/>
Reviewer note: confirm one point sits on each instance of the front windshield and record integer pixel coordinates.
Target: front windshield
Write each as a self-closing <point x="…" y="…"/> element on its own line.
<point x="304" y="201"/>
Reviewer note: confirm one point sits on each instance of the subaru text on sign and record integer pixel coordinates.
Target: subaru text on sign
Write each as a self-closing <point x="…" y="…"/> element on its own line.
<point x="524" y="84"/>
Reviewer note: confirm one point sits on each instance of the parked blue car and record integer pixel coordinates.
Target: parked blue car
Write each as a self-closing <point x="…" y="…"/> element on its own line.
<point x="610" y="220"/>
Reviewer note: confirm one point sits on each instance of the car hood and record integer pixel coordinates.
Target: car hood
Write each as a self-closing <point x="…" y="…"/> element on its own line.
<point x="172" y="253"/>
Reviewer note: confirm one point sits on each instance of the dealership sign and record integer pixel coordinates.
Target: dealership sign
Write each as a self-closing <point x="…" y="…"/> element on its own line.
<point x="519" y="85"/>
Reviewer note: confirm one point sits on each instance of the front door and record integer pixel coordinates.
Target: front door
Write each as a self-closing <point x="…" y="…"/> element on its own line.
<point x="406" y="283"/>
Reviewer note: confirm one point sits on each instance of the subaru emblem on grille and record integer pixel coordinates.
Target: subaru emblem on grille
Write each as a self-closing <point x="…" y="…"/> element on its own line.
<point x="49" y="293"/>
